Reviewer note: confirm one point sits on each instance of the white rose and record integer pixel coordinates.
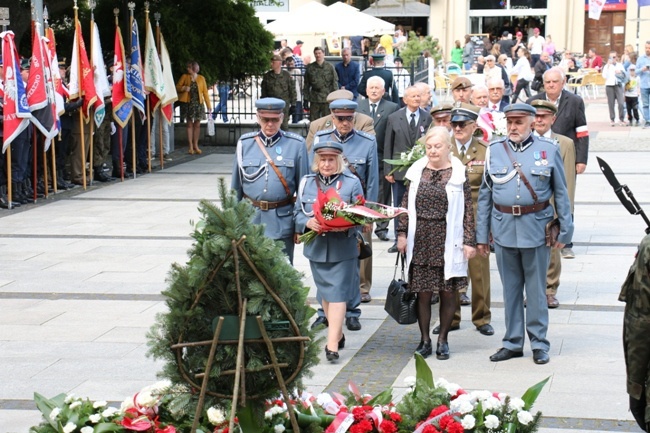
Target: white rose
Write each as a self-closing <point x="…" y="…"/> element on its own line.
<point x="55" y="412"/>
<point x="524" y="417"/>
<point x="516" y="404"/>
<point x="87" y="429"/>
<point x="69" y="427"/>
<point x="108" y="412"/>
<point x="216" y="416"/>
<point x="410" y="381"/>
<point x="491" y="422"/>
<point x="462" y="404"/>
<point x="279" y="428"/>
<point x="75" y="404"/>
<point x="452" y="388"/>
<point x="146" y="399"/>
<point x="69" y="398"/>
<point x="468" y="422"/>
<point x="492" y="403"/>
<point x="99" y="404"/>
<point x="95" y="418"/>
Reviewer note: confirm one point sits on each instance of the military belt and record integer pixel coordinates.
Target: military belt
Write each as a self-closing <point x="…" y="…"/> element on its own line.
<point x="517" y="210"/>
<point x="267" y="205"/>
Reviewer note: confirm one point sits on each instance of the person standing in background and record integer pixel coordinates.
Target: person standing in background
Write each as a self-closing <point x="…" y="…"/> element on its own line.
<point x="348" y="73"/>
<point x="277" y="83"/>
<point x="320" y="80"/>
<point x="193" y="90"/>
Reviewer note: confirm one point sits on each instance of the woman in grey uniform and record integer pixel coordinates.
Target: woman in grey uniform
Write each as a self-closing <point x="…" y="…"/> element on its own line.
<point x="334" y="255"/>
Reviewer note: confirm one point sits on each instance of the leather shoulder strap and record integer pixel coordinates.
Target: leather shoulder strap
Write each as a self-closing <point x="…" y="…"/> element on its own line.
<point x="516" y="167"/>
<point x="275" y="168"/>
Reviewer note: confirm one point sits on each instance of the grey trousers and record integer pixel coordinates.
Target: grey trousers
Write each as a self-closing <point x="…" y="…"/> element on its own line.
<point x="615" y="94"/>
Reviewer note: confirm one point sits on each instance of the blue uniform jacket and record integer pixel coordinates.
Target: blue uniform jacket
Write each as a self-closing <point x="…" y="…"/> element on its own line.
<point x="254" y="177"/>
<point x="329" y="247"/>
<point x="501" y="186"/>
<point x="360" y="150"/>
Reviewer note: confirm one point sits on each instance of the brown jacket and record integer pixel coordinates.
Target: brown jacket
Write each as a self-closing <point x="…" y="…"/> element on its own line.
<point x="186" y="80"/>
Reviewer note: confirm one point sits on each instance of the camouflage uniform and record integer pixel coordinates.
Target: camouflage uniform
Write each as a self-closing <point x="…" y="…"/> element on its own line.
<point x="635" y="292"/>
<point x="320" y="80"/>
<point x="280" y="86"/>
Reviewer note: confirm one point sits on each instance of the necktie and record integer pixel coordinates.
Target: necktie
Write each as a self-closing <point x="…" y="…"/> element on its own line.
<point x="412" y="122"/>
<point x="494" y="107"/>
<point x="412" y="129"/>
<point x="374" y="110"/>
<point x="462" y="152"/>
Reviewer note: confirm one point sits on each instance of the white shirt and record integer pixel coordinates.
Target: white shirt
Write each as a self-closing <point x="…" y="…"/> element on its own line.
<point x="408" y="115"/>
<point x="536" y="44"/>
<point x="610" y="71"/>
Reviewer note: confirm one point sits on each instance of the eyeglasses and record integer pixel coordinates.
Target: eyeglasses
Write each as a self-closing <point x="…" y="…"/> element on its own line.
<point x="495" y="89"/>
<point x="345" y="118"/>
<point x="270" y="119"/>
<point x="460" y="125"/>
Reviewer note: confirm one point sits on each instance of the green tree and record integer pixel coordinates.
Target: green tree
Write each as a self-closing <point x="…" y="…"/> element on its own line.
<point x="415" y="47"/>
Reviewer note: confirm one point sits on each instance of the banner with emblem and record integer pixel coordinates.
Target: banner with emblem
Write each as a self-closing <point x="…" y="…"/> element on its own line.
<point x="170" y="87"/>
<point x="60" y="90"/>
<point x="135" y="72"/>
<point x="153" y="75"/>
<point x="99" y="77"/>
<point x="121" y="94"/>
<point x="81" y="75"/>
<point x="15" y="109"/>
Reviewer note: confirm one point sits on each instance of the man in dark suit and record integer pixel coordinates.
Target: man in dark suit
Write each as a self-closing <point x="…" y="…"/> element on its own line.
<point x="571" y="121"/>
<point x="379" y="69"/>
<point x="379" y="109"/>
<point x="404" y="128"/>
<point x="496" y="88"/>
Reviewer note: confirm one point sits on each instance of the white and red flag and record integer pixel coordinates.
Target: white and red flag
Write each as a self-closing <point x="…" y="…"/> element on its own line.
<point x="15" y="108"/>
<point x="170" y="86"/>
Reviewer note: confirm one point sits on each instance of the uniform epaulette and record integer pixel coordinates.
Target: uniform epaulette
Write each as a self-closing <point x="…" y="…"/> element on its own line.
<point x="498" y="141"/>
<point x="483" y="142"/>
<point x="365" y="135"/>
<point x="548" y="140"/>
<point x="348" y="173"/>
<point x="248" y="135"/>
<point x="293" y="135"/>
<point x="325" y="131"/>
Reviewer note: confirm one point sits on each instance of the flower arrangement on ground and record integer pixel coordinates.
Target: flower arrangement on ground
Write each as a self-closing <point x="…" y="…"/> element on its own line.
<point x="333" y="213"/>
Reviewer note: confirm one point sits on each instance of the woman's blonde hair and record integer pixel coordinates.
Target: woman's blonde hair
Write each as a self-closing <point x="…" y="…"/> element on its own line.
<point x="340" y="163"/>
<point x="439" y="132"/>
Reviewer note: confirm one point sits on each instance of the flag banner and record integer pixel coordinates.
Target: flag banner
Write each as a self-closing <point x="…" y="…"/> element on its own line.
<point x="81" y="74"/>
<point x="595" y="9"/>
<point x="170" y="86"/>
<point x="40" y="94"/>
<point x="643" y="2"/>
<point x="121" y="94"/>
<point x="60" y="91"/>
<point x="16" y="112"/>
<point x="100" y="78"/>
<point x="153" y="74"/>
<point x="135" y="72"/>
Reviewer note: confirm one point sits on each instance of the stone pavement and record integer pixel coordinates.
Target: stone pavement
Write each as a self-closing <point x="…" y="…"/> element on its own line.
<point x="81" y="276"/>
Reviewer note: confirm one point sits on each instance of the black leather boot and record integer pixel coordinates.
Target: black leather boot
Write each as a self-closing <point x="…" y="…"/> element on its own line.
<point x="4" y="200"/>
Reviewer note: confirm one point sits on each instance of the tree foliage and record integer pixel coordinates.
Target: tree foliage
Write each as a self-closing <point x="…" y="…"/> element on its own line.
<point x="415" y="47"/>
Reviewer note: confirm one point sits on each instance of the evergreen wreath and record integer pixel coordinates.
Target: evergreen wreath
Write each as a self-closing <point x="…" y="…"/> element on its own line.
<point x="207" y="288"/>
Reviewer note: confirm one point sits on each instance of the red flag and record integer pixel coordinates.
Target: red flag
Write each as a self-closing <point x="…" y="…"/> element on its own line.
<point x="61" y="92"/>
<point x="15" y="109"/>
<point x="121" y="94"/>
<point x="81" y="75"/>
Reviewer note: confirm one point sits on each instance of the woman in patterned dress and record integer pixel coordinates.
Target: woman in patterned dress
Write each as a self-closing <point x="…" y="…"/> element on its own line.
<point x="193" y="91"/>
<point x="438" y="234"/>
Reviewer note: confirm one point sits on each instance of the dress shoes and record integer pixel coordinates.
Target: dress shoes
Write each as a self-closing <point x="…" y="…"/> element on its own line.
<point x="552" y="301"/>
<point x="442" y="351"/>
<point x="331" y="355"/>
<point x="393" y="249"/>
<point x="382" y="236"/>
<point x="567" y="253"/>
<point x="540" y="356"/>
<point x="486" y="329"/>
<point x="424" y="349"/>
<point x="504" y="354"/>
<point x="342" y="342"/>
<point x="365" y="298"/>
<point x="353" y="323"/>
<point x="464" y="299"/>
<point x="436" y="330"/>
<point x="322" y="320"/>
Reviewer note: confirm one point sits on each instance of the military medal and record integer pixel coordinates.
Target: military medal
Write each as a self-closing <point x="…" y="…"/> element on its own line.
<point x="537" y="157"/>
<point x="544" y="160"/>
<point x="278" y="150"/>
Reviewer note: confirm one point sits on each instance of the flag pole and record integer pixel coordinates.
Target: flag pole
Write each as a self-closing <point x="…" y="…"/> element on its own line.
<point x="131" y="6"/>
<point x="8" y="167"/>
<point x="81" y="115"/>
<point x="92" y="4"/>
<point x="161" y="118"/>
<point x="34" y="129"/>
<point x="148" y="99"/>
<point x="116" y="12"/>
<point x="46" y="16"/>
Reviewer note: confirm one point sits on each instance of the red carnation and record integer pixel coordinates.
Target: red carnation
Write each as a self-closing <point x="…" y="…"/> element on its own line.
<point x="455" y="427"/>
<point x="430" y="428"/>
<point x="364" y="426"/>
<point x="388" y="426"/>
<point x="358" y="413"/>
<point x="437" y="411"/>
<point x="445" y="421"/>
<point x="394" y="416"/>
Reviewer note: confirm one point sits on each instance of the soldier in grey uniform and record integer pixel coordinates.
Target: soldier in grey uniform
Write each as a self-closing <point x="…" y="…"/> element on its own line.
<point x="277" y="83"/>
<point x="522" y="172"/>
<point x="267" y="170"/>
<point x="360" y="151"/>
<point x="333" y="256"/>
<point x="635" y="292"/>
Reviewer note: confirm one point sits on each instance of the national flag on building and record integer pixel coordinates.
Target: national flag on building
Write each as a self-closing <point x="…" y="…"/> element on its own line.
<point x="135" y="72"/>
<point x="81" y="74"/>
<point x="121" y="93"/>
<point x="100" y="78"/>
<point x="170" y="87"/>
<point x="40" y="94"/>
<point x="15" y="108"/>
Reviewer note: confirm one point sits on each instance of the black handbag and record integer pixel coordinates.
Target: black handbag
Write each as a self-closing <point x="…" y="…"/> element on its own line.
<point x="401" y="305"/>
<point x="536" y="85"/>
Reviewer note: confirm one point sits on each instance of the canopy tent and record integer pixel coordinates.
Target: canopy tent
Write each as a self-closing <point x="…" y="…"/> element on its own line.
<point x="316" y="19"/>
<point x="398" y="8"/>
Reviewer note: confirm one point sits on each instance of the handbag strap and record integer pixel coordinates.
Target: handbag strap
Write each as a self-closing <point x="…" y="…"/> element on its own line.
<point x="521" y="173"/>
<point x="275" y="168"/>
<point x="397" y="261"/>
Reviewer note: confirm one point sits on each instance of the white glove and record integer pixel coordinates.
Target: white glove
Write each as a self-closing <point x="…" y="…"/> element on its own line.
<point x="113" y="128"/>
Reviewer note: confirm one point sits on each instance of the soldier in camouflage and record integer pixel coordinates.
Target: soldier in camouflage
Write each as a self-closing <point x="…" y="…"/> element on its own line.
<point x="635" y="292"/>
<point x="320" y="80"/>
<point x="277" y="83"/>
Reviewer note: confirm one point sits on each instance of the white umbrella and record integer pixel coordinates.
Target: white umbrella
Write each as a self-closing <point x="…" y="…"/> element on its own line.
<point x="352" y="22"/>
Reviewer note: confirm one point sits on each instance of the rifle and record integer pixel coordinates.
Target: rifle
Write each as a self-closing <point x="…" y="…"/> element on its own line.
<point x="623" y="193"/>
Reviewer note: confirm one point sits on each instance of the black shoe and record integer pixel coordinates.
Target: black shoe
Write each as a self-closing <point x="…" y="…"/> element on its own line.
<point x="322" y="320"/>
<point x="393" y="249"/>
<point x="540" y="356"/>
<point x="330" y="355"/>
<point x="353" y="323"/>
<point x="504" y="354"/>
<point x="342" y="342"/>
<point x="464" y="299"/>
<point x="435" y="299"/>
<point x="436" y="330"/>
<point x="442" y="351"/>
<point x="485" y="329"/>
<point x="382" y="236"/>
<point x="424" y="349"/>
<point x="100" y="176"/>
<point x="365" y="298"/>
